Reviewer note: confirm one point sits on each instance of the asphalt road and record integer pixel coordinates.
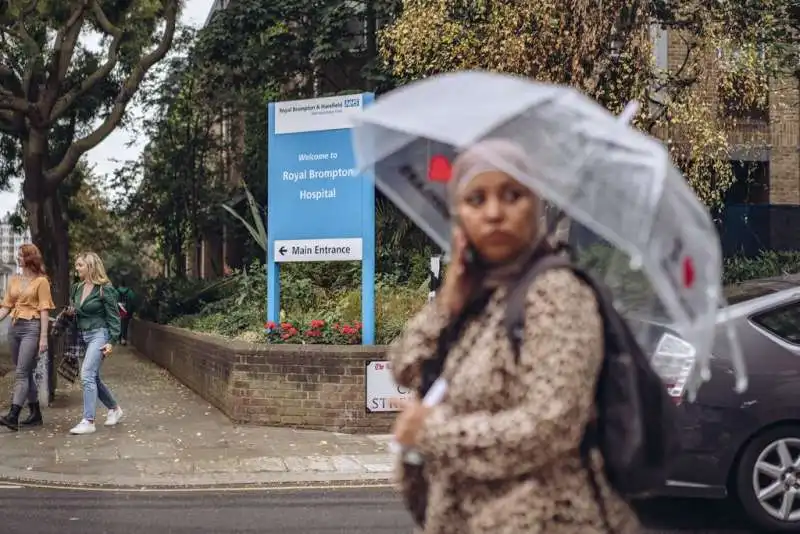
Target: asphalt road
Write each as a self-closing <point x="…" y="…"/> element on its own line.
<point x="308" y="511"/>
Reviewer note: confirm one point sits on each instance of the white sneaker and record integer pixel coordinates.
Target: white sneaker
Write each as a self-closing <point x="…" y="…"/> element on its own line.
<point x="84" y="427"/>
<point x="114" y="416"/>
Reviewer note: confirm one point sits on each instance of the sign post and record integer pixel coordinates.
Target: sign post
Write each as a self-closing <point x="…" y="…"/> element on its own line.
<point x="319" y="208"/>
<point x="435" y="276"/>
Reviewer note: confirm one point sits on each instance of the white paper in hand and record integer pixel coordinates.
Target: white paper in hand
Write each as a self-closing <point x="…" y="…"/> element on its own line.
<point x="432" y="398"/>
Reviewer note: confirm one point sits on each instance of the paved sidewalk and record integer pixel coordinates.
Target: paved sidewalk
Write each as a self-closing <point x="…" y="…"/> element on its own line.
<point x="170" y="437"/>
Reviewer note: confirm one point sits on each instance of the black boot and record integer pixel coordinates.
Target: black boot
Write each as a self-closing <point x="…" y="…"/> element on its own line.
<point x="12" y="419"/>
<point x="35" y="418"/>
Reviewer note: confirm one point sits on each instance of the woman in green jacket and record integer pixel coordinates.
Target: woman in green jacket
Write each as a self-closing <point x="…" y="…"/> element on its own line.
<point x="94" y="300"/>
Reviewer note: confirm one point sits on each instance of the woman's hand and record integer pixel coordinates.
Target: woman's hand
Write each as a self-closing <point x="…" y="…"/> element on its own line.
<point x="458" y="282"/>
<point x="107" y="349"/>
<point x="42" y="345"/>
<point x="410" y="422"/>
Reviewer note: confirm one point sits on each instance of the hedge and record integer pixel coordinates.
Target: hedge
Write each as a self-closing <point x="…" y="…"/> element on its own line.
<point x="314" y="313"/>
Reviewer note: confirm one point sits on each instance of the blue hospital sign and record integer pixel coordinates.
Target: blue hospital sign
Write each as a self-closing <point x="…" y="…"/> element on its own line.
<point x="319" y="207"/>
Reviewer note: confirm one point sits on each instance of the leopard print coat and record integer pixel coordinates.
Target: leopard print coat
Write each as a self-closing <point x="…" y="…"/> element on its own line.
<point x="502" y="449"/>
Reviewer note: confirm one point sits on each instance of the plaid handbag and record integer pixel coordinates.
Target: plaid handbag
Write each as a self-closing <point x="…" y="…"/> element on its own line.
<point x="65" y="328"/>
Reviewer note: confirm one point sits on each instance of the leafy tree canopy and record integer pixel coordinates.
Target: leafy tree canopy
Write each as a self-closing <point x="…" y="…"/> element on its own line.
<point x="295" y="48"/>
<point x="175" y="188"/>
<point x="606" y="50"/>
<point x="68" y="70"/>
<point x="54" y="85"/>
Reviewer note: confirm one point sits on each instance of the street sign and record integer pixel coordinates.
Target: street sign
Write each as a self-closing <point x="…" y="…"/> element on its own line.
<point x="382" y="392"/>
<point x="319" y="208"/>
<point x="318" y="250"/>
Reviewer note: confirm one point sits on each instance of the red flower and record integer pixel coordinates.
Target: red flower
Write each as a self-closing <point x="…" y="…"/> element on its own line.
<point x="313" y="333"/>
<point x="270" y="325"/>
<point x="336" y="326"/>
<point x="348" y="330"/>
<point x="317" y="323"/>
<point x="286" y="326"/>
<point x="286" y="336"/>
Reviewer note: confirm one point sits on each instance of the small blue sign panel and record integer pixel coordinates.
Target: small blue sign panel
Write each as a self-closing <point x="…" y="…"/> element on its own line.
<point x="319" y="208"/>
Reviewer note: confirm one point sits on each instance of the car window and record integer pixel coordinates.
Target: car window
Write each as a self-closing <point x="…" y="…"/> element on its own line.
<point x="784" y="322"/>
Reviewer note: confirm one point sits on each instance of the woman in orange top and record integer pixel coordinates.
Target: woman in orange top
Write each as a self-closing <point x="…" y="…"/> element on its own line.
<point x="28" y="301"/>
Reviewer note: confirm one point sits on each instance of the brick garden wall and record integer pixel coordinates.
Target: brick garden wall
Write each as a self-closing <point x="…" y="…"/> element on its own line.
<point x="307" y="386"/>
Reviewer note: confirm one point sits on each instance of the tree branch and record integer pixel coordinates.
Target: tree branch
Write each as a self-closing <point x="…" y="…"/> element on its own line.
<point x="677" y="83"/>
<point x="10" y="82"/>
<point x="9" y="101"/>
<point x="56" y="174"/>
<point x="34" y="54"/>
<point x="8" y="123"/>
<point x="64" y="48"/>
<point x="66" y="101"/>
<point x="30" y="8"/>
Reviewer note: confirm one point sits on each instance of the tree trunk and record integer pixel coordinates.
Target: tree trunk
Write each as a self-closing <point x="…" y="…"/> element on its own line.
<point x="198" y="256"/>
<point x="49" y="233"/>
<point x="45" y="216"/>
<point x="179" y="256"/>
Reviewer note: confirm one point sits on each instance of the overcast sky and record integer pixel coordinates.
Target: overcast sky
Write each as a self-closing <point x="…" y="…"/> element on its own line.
<point x="114" y="147"/>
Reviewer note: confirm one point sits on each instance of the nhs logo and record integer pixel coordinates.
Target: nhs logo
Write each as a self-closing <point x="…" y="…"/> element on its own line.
<point x="352" y="102"/>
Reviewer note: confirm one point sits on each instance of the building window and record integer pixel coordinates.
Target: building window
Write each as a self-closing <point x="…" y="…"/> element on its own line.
<point x="742" y="100"/>
<point x="659" y="38"/>
<point x="750" y="183"/>
<point x="743" y="88"/>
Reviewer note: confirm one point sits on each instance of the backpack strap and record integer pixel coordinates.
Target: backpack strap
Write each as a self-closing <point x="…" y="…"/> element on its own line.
<point x="514" y="323"/>
<point x="515" y="306"/>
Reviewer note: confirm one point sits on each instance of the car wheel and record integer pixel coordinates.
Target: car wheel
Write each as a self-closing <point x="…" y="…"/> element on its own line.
<point x="768" y="479"/>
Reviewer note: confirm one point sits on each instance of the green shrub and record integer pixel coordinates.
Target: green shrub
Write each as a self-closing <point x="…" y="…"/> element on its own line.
<point x="767" y="264"/>
<point x="394" y="306"/>
<point x="236" y="308"/>
<point x="317" y="304"/>
<point x="167" y="298"/>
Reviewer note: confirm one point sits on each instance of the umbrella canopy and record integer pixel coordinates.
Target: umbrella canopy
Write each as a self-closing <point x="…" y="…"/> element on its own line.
<point x="613" y="181"/>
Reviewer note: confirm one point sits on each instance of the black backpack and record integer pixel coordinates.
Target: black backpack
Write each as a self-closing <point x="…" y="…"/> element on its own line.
<point x="636" y="427"/>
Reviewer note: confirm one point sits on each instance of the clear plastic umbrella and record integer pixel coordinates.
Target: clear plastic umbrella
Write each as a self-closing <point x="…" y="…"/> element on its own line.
<point x="642" y="229"/>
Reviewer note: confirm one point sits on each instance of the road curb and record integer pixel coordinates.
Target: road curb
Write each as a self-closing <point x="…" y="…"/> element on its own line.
<point x="315" y="480"/>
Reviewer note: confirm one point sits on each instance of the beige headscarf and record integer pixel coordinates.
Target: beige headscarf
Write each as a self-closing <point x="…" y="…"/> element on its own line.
<point x="507" y="157"/>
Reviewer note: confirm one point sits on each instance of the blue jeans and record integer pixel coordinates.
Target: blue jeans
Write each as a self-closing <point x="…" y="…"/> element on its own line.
<point x="93" y="387"/>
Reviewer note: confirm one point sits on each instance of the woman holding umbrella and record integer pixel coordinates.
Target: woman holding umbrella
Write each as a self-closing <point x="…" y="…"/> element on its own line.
<point x="502" y="450"/>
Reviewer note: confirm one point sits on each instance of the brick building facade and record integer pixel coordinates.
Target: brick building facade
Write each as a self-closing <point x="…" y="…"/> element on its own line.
<point x="768" y="142"/>
<point x="784" y="140"/>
